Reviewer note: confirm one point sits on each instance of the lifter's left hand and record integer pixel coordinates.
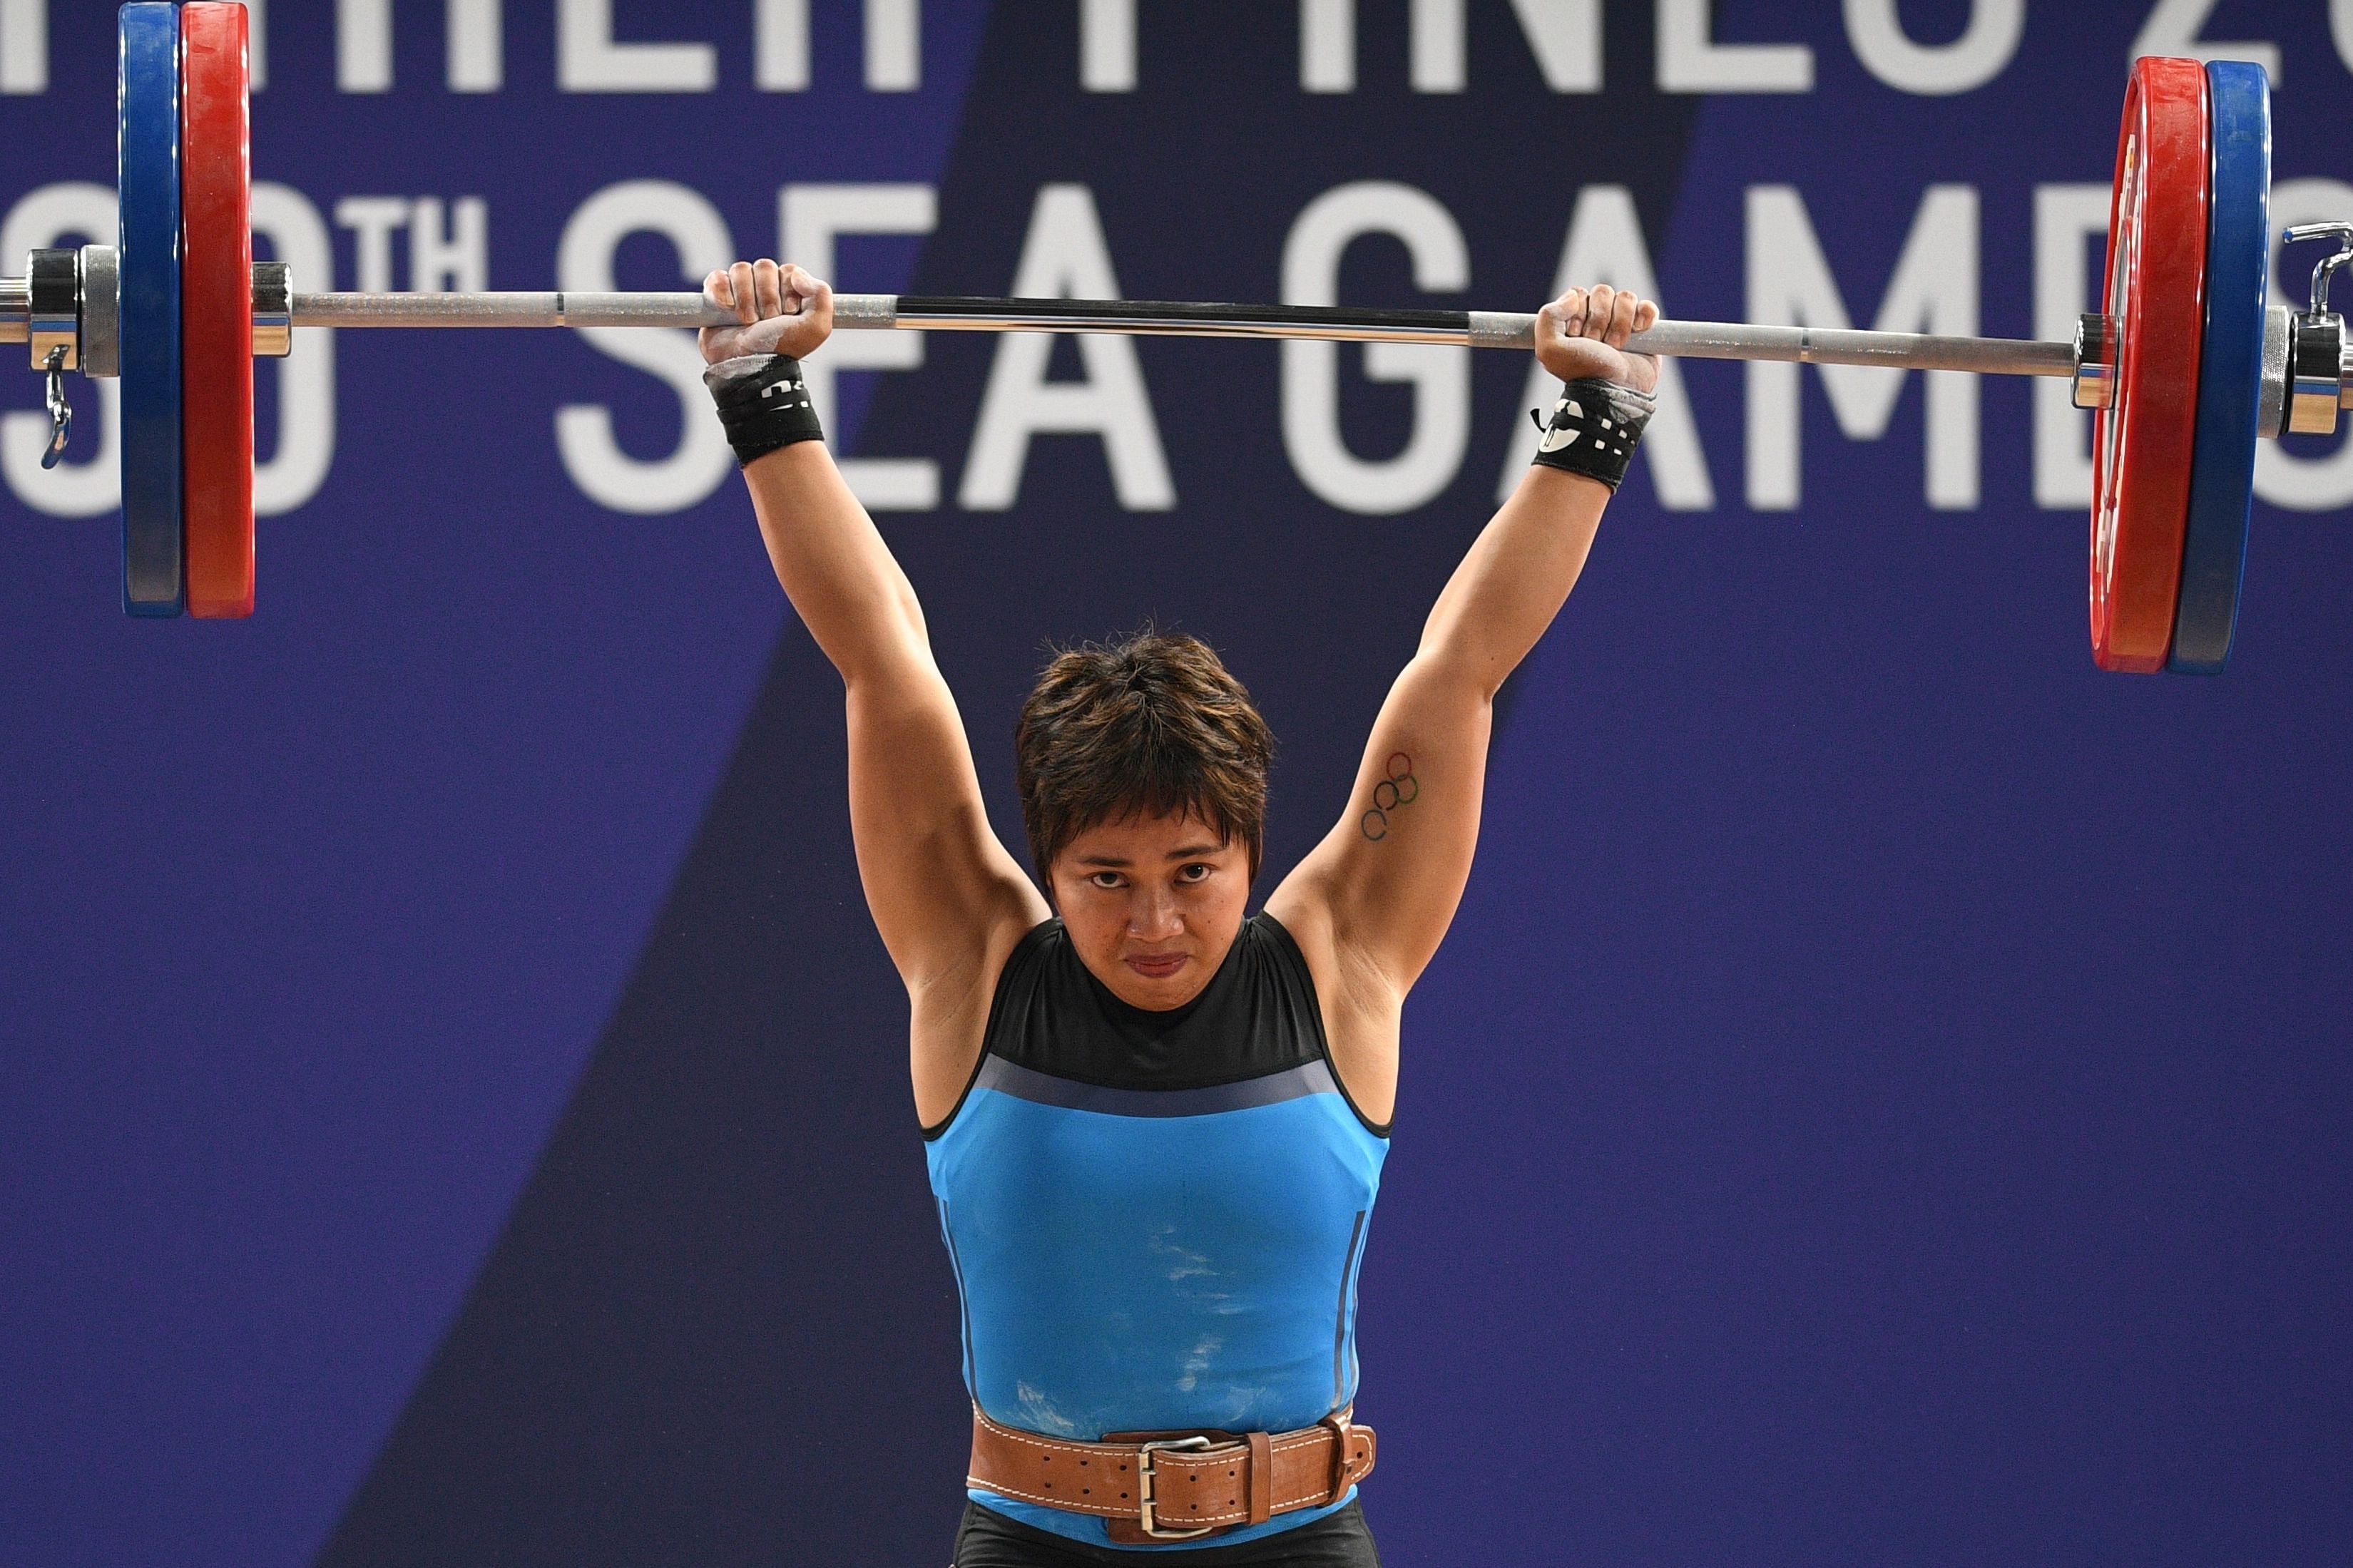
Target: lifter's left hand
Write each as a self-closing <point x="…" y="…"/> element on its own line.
<point x="1584" y="332"/>
<point x="783" y="308"/>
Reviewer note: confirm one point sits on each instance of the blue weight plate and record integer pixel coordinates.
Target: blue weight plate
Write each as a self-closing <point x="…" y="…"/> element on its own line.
<point x="2230" y="370"/>
<point x="154" y="572"/>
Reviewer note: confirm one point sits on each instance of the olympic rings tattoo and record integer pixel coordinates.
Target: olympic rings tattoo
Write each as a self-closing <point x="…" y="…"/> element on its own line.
<point x="1401" y="788"/>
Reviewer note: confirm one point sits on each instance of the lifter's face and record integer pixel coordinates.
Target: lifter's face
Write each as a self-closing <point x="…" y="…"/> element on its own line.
<point x="1152" y="905"/>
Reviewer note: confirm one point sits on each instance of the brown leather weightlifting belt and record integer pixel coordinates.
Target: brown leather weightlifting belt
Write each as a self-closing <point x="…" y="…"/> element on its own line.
<point x="1174" y="1485"/>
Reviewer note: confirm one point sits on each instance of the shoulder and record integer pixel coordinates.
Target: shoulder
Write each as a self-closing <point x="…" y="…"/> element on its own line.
<point x="1270" y="948"/>
<point x="1020" y="973"/>
<point x="1305" y="922"/>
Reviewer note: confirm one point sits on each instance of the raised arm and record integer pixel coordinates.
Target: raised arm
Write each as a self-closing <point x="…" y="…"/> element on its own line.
<point x="1373" y="899"/>
<point x="948" y="900"/>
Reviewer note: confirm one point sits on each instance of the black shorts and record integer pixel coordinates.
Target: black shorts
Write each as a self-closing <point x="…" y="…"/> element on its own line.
<point x="989" y="1540"/>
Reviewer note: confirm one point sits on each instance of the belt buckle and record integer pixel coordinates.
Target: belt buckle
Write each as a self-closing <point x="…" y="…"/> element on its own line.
<point x="1151" y="1526"/>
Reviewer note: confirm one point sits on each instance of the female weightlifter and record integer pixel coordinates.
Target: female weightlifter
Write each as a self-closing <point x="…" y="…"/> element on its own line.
<point x="1155" y="1127"/>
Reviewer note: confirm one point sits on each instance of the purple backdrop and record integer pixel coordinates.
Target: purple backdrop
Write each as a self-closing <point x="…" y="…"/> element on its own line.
<point x="1884" y="1096"/>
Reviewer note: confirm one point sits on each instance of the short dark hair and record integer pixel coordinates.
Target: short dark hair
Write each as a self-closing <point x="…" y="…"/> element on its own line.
<point x="1153" y="725"/>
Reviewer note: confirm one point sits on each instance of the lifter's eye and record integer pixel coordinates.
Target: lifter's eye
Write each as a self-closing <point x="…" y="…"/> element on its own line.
<point x="1107" y="880"/>
<point x="1198" y="871"/>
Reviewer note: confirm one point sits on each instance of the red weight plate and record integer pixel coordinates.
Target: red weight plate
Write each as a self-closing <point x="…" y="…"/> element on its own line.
<point x="2143" y="442"/>
<point x="216" y="310"/>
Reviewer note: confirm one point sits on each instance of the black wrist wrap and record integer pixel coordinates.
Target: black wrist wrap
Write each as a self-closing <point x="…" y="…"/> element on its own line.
<point x="764" y="404"/>
<point x="1595" y="427"/>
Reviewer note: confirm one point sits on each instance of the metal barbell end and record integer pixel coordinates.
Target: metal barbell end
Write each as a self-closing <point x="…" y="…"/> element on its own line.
<point x="72" y="299"/>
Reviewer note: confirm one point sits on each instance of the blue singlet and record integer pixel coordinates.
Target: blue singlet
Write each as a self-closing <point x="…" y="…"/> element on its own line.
<point x="1157" y="1218"/>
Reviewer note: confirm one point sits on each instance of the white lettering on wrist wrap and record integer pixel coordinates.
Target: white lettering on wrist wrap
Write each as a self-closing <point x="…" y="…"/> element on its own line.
<point x="764" y="404"/>
<point x="1595" y="427"/>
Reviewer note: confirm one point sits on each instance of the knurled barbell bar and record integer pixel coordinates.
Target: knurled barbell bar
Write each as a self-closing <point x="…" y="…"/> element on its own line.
<point x="2184" y="369"/>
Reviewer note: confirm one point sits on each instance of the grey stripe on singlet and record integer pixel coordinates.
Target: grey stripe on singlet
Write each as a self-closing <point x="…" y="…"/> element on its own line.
<point x="1340" y="1332"/>
<point x="1043" y="1089"/>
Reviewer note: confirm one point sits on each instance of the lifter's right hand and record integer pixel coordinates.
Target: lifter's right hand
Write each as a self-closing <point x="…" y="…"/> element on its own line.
<point x="1584" y="333"/>
<point x="783" y="308"/>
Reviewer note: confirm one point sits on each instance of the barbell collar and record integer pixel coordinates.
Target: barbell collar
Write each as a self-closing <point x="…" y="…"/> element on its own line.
<point x="2315" y="373"/>
<point x="2095" y="362"/>
<point x="273" y="308"/>
<point x="53" y="307"/>
<point x="101" y="311"/>
<point x="2270" y="400"/>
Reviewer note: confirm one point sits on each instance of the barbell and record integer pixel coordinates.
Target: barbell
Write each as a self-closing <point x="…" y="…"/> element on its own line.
<point x="2184" y="368"/>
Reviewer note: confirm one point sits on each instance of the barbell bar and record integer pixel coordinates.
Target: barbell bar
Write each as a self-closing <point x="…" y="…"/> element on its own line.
<point x="277" y="309"/>
<point x="2184" y="368"/>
